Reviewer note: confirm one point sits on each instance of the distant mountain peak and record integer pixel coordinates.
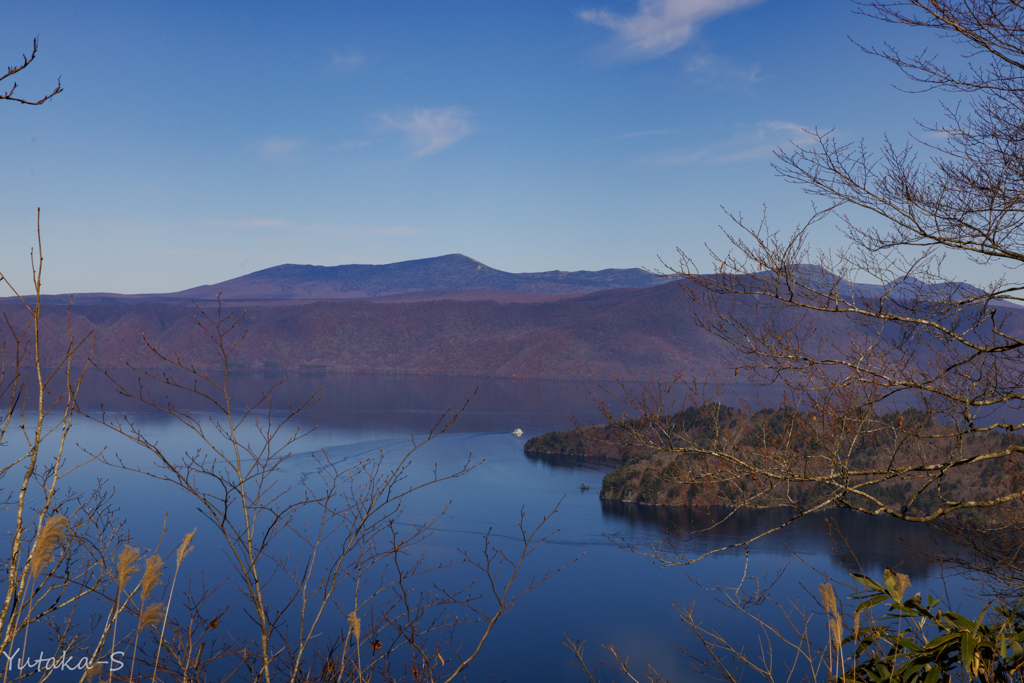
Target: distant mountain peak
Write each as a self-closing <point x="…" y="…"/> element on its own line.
<point x="447" y="272"/>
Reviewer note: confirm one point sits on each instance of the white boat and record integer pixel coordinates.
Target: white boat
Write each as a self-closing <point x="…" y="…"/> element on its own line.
<point x="517" y="432"/>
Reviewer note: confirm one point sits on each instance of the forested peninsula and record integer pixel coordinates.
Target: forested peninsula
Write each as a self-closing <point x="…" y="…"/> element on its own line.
<point x="666" y="460"/>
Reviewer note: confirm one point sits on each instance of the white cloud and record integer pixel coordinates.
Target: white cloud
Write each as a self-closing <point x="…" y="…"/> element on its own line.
<point x="348" y="61"/>
<point x="431" y="130"/>
<point x="661" y="26"/>
<point x="272" y="147"/>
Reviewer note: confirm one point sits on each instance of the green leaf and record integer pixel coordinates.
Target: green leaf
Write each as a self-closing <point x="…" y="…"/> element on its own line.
<point x="913" y="666"/>
<point x="981" y="618"/>
<point x="933" y="674"/>
<point x="868" y="582"/>
<point x="967" y="651"/>
<point x="938" y="641"/>
<point x="1017" y="607"/>
<point x="906" y="644"/>
<point x="868" y="604"/>
<point x="865" y="643"/>
<point x="890" y="580"/>
<point x="958" y="620"/>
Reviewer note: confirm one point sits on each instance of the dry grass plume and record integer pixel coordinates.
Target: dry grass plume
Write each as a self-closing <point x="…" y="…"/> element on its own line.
<point x="49" y="539"/>
<point x="94" y="670"/>
<point x="127" y="565"/>
<point x="186" y="546"/>
<point x="152" y="575"/>
<point x="151" y="616"/>
<point x="354" y="625"/>
<point x="835" y="621"/>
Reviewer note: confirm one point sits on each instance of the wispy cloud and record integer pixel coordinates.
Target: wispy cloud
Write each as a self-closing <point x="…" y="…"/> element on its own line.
<point x="645" y="133"/>
<point x="660" y="26"/>
<point x="272" y="147"/>
<point x="253" y="223"/>
<point x="431" y="130"/>
<point x="760" y="142"/>
<point x="351" y="144"/>
<point x="674" y="157"/>
<point x="348" y="60"/>
<point x="395" y="231"/>
<point x="767" y="137"/>
<point x="708" y="68"/>
<point x="280" y="225"/>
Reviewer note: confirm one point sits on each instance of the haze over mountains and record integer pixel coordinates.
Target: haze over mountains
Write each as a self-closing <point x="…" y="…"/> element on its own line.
<point x="451" y="272"/>
<point x="449" y="315"/>
<point x="443" y="275"/>
<point x="626" y="333"/>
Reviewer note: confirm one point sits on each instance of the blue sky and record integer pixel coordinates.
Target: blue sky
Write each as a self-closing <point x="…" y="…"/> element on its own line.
<point x="195" y="142"/>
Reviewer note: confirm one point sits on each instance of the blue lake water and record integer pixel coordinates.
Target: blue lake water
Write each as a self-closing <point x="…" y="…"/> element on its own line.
<point x="603" y="595"/>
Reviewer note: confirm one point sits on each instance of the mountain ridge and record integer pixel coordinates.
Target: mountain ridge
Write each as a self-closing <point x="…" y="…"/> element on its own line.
<point x="444" y="275"/>
<point x="449" y="272"/>
<point x="460" y="277"/>
<point x="621" y="333"/>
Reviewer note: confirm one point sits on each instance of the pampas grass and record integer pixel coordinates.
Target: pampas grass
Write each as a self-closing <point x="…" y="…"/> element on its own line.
<point x="47" y="542"/>
<point x="151" y="616"/>
<point x="127" y="566"/>
<point x="50" y="537"/>
<point x="93" y="670"/>
<point x="184" y="548"/>
<point x="354" y="625"/>
<point x="152" y="575"/>
<point x="835" y="628"/>
<point x="354" y="628"/>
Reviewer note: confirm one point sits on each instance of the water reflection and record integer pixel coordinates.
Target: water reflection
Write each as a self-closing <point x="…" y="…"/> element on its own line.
<point x="414" y="403"/>
<point x="410" y="403"/>
<point x="605" y="595"/>
<point x="849" y="539"/>
<point x="572" y="462"/>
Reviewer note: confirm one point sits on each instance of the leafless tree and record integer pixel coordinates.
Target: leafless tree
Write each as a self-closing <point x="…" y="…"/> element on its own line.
<point x="18" y="68"/>
<point x="854" y="336"/>
<point x="901" y="384"/>
<point x="353" y="596"/>
<point x="62" y="542"/>
<point x="325" y="555"/>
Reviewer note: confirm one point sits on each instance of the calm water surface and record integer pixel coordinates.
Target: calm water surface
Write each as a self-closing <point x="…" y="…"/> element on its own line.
<point x="605" y="594"/>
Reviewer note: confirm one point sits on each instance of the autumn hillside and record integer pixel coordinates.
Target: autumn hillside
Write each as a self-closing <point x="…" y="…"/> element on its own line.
<point x="621" y="333"/>
<point x="683" y="474"/>
<point x="624" y="333"/>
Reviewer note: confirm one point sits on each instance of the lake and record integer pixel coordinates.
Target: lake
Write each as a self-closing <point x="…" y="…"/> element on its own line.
<point x="603" y="594"/>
